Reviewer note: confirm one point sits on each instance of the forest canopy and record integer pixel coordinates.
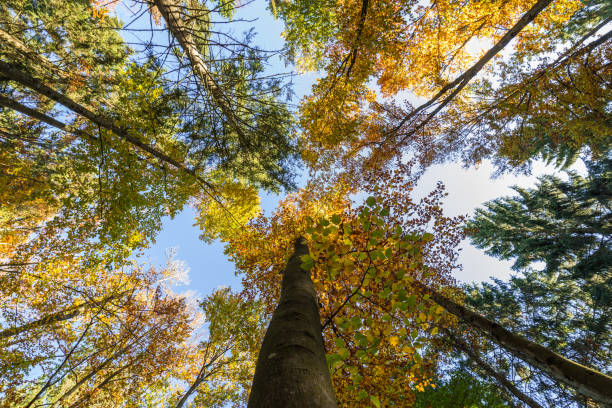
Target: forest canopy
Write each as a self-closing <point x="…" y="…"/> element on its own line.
<point x="117" y="116"/>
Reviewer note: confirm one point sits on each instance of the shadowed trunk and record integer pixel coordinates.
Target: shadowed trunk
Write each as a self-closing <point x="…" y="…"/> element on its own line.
<point x="584" y="380"/>
<point x="291" y="370"/>
<point x="500" y="378"/>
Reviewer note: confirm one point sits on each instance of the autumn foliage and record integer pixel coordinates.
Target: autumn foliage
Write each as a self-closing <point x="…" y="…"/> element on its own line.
<point x="380" y="331"/>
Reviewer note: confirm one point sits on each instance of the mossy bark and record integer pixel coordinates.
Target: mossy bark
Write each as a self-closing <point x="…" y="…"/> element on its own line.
<point x="291" y="370"/>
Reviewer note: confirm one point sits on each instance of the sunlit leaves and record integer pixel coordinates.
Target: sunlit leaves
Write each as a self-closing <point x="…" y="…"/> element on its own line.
<point x="410" y="48"/>
<point x="363" y="259"/>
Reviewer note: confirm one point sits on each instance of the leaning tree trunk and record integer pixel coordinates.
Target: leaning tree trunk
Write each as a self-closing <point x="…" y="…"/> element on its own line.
<point x="584" y="380"/>
<point x="291" y="370"/>
<point x="461" y="346"/>
<point x="173" y="13"/>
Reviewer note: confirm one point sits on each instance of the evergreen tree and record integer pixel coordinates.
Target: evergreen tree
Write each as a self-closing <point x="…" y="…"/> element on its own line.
<point x="460" y="390"/>
<point x="564" y="226"/>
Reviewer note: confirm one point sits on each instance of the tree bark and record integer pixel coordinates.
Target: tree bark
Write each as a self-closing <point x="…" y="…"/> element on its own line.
<point x="584" y="380"/>
<point x="171" y="12"/>
<point x="500" y="378"/>
<point x="291" y="369"/>
<point x="15" y="74"/>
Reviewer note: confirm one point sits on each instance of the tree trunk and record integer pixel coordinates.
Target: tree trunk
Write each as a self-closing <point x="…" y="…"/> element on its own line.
<point x="45" y="321"/>
<point x="584" y="380"/>
<point x="171" y="12"/>
<point x="500" y="378"/>
<point x="291" y="369"/>
<point x="33" y="113"/>
<point x="60" y="316"/>
<point x="15" y="74"/>
<point x="462" y="80"/>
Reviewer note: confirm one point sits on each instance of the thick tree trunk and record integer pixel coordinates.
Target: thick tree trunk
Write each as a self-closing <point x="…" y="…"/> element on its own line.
<point x="584" y="380"/>
<point x="291" y="370"/>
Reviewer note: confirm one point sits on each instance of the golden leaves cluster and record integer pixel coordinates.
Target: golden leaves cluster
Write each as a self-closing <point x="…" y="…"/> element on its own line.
<point x="363" y="260"/>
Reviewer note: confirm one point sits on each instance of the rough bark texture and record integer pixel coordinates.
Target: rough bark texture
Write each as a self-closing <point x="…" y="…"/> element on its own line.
<point x="291" y="370"/>
<point x="584" y="380"/>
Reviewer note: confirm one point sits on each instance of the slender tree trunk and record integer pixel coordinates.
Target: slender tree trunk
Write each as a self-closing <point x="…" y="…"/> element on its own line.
<point x="15" y="74"/>
<point x="584" y="380"/>
<point x="19" y="50"/>
<point x="45" y="321"/>
<point x="33" y="113"/>
<point x="462" y="80"/>
<point x="52" y="380"/>
<point x="500" y="378"/>
<point x="60" y="316"/>
<point x="204" y="373"/>
<point x="291" y="370"/>
<point x="171" y="12"/>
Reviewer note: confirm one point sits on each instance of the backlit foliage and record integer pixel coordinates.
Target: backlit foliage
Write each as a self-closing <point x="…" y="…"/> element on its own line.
<point x="414" y="49"/>
<point x="381" y="333"/>
<point x="83" y="335"/>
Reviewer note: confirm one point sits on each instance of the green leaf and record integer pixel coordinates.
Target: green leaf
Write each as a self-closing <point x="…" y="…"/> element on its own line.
<point x="427" y="237"/>
<point x="344" y="323"/>
<point x="361" y="395"/>
<point x="306" y="258"/>
<point x="375" y="401"/>
<point x="385" y="212"/>
<point x="336" y="219"/>
<point x="307" y="262"/>
<point x="333" y="360"/>
<point x="361" y="339"/>
<point x="371" y="201"/>
<point x="411" y="301"/>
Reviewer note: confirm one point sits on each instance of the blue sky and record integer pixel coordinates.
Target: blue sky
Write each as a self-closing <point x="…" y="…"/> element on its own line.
<point x="467" y="189"/>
